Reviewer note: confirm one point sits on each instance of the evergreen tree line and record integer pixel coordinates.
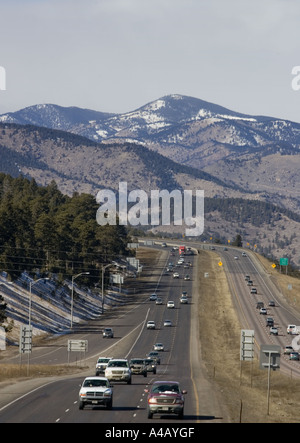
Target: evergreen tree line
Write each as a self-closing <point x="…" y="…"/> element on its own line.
<point x="43" y="230"/>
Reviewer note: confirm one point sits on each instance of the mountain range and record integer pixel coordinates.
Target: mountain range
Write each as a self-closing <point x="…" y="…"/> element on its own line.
<point x="173" y="142"/>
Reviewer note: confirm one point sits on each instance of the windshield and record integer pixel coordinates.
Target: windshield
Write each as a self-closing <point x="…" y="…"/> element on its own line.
<point x="95" y="383"/>
<point x="118" y="364"/>
<point x="165" y="388"/>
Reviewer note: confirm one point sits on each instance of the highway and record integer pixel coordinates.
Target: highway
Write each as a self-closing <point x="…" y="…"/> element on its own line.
<point x="57" y="402"/>
<point x="245" y="303"/>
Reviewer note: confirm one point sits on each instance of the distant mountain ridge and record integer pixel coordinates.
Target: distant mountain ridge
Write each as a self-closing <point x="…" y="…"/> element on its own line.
<point x="162" y="120"/>
<point x="259" y="154"/>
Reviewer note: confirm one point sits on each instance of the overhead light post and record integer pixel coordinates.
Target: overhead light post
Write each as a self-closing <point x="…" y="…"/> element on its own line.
<point x="103" y="271"/>
<point x="72" y="296"/>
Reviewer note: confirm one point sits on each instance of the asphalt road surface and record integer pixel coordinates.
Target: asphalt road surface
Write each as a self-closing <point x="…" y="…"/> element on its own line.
<point x="57" y="402"/>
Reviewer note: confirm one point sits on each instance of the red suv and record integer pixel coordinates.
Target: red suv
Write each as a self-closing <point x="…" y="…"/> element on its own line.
<point x="165" y="397"/>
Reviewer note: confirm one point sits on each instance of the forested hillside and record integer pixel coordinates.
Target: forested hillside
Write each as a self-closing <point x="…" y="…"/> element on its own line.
<point x="43" y="230"/>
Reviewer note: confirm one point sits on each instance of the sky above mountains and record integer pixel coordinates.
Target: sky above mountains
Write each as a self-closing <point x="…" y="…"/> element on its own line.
<point x="117" y="55"/>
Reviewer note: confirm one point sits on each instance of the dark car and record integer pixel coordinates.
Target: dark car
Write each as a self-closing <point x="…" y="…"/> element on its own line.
<point x="165" y="397"/>
<point x="151" y="365"/>
<point x="138" y="366"/>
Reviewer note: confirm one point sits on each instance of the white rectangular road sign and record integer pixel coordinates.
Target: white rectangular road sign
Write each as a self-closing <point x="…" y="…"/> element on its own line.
<point x="247" y="345"/>
<point x="77" y="345"/>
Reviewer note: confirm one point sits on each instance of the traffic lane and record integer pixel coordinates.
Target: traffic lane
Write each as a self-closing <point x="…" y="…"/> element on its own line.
<point x="251" y="317"/>
<point x="42" y="404"/>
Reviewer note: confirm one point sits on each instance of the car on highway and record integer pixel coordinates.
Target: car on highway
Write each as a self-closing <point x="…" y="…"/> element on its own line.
<point x="153" y="297"/>
<point x="138" y="366"/>
<point x="159" y="301"/>
<point x="170" y="304"/>
<point x="247" y="277"/>
<point x="292" y="330"/>
<point x="167" y="323"/>
<point x="187" y="277"/>
<point x="269" y="322"/>
<point x="273" y="330"/>
<point x="101" y="364"/>
<point x="260" y="304"/>
<point x="165" y="397"/>
<point x="272" y="303"/>
<point x="158" y="347"/>
<point x="184" y="300"/>
<point x="253" y="291"/>
<point x="151" y="365"/>
<point x="154" y="355"/>
<point x="118" y="369"/>
<point x="294" y="355"/>
<point x="108" y="333"/>
<point x="249" y="282"/>
<point x="263" y="311"/>
<point x="236" y="257"/>
<point x="288" y="349"/>
<point x="176" y="275"/>
<point x="151" y="324"/>
<point x="244" y="254"/>
<point x="96" y="391"/>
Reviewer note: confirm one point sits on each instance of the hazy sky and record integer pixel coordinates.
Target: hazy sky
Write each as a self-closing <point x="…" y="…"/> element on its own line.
<point x="117" y="55"/>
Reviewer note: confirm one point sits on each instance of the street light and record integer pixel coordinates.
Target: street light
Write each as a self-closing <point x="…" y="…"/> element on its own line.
<point x="103" y="270"/>
<point x="72" y="297"/>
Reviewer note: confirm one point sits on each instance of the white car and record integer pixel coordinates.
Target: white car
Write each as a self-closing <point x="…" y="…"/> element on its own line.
<point x="158" y="347"/>
<point x="175" y="275"/>
<point x="101" y="364"/>
<point x="151" y="324"/>
<point x="95" y="391"/>
<point x="184" y="300"/>
<point x="153" y="297"/>
<point x="170" y="304"/>
<point x="167" y="323"/>
<point x="118" y="369"/>
<point x="159" y="301"/>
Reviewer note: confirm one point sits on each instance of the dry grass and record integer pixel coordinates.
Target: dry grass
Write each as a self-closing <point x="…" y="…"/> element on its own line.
<point x="220" y="341"/>
<point x="10" y="372"/>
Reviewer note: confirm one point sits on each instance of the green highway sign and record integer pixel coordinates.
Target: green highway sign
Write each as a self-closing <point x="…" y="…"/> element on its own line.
<point x="284" y="262"/>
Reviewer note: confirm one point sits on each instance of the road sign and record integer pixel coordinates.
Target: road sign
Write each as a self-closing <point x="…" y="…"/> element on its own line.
<point x="284" y="262"/>
<point x="25" y="346"/>
<point x="269" y="357"/>
<point x="77" y="345"/>
<point x="247" y="345"/>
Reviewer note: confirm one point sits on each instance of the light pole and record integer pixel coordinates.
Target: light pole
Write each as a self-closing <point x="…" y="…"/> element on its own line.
<point x="72" y="296"/>
<point x="103" y="271"/>
<point x="30" y="297"/>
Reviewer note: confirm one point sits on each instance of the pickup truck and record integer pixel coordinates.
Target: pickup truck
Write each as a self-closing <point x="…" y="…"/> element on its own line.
<point x="95" y="391"/>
